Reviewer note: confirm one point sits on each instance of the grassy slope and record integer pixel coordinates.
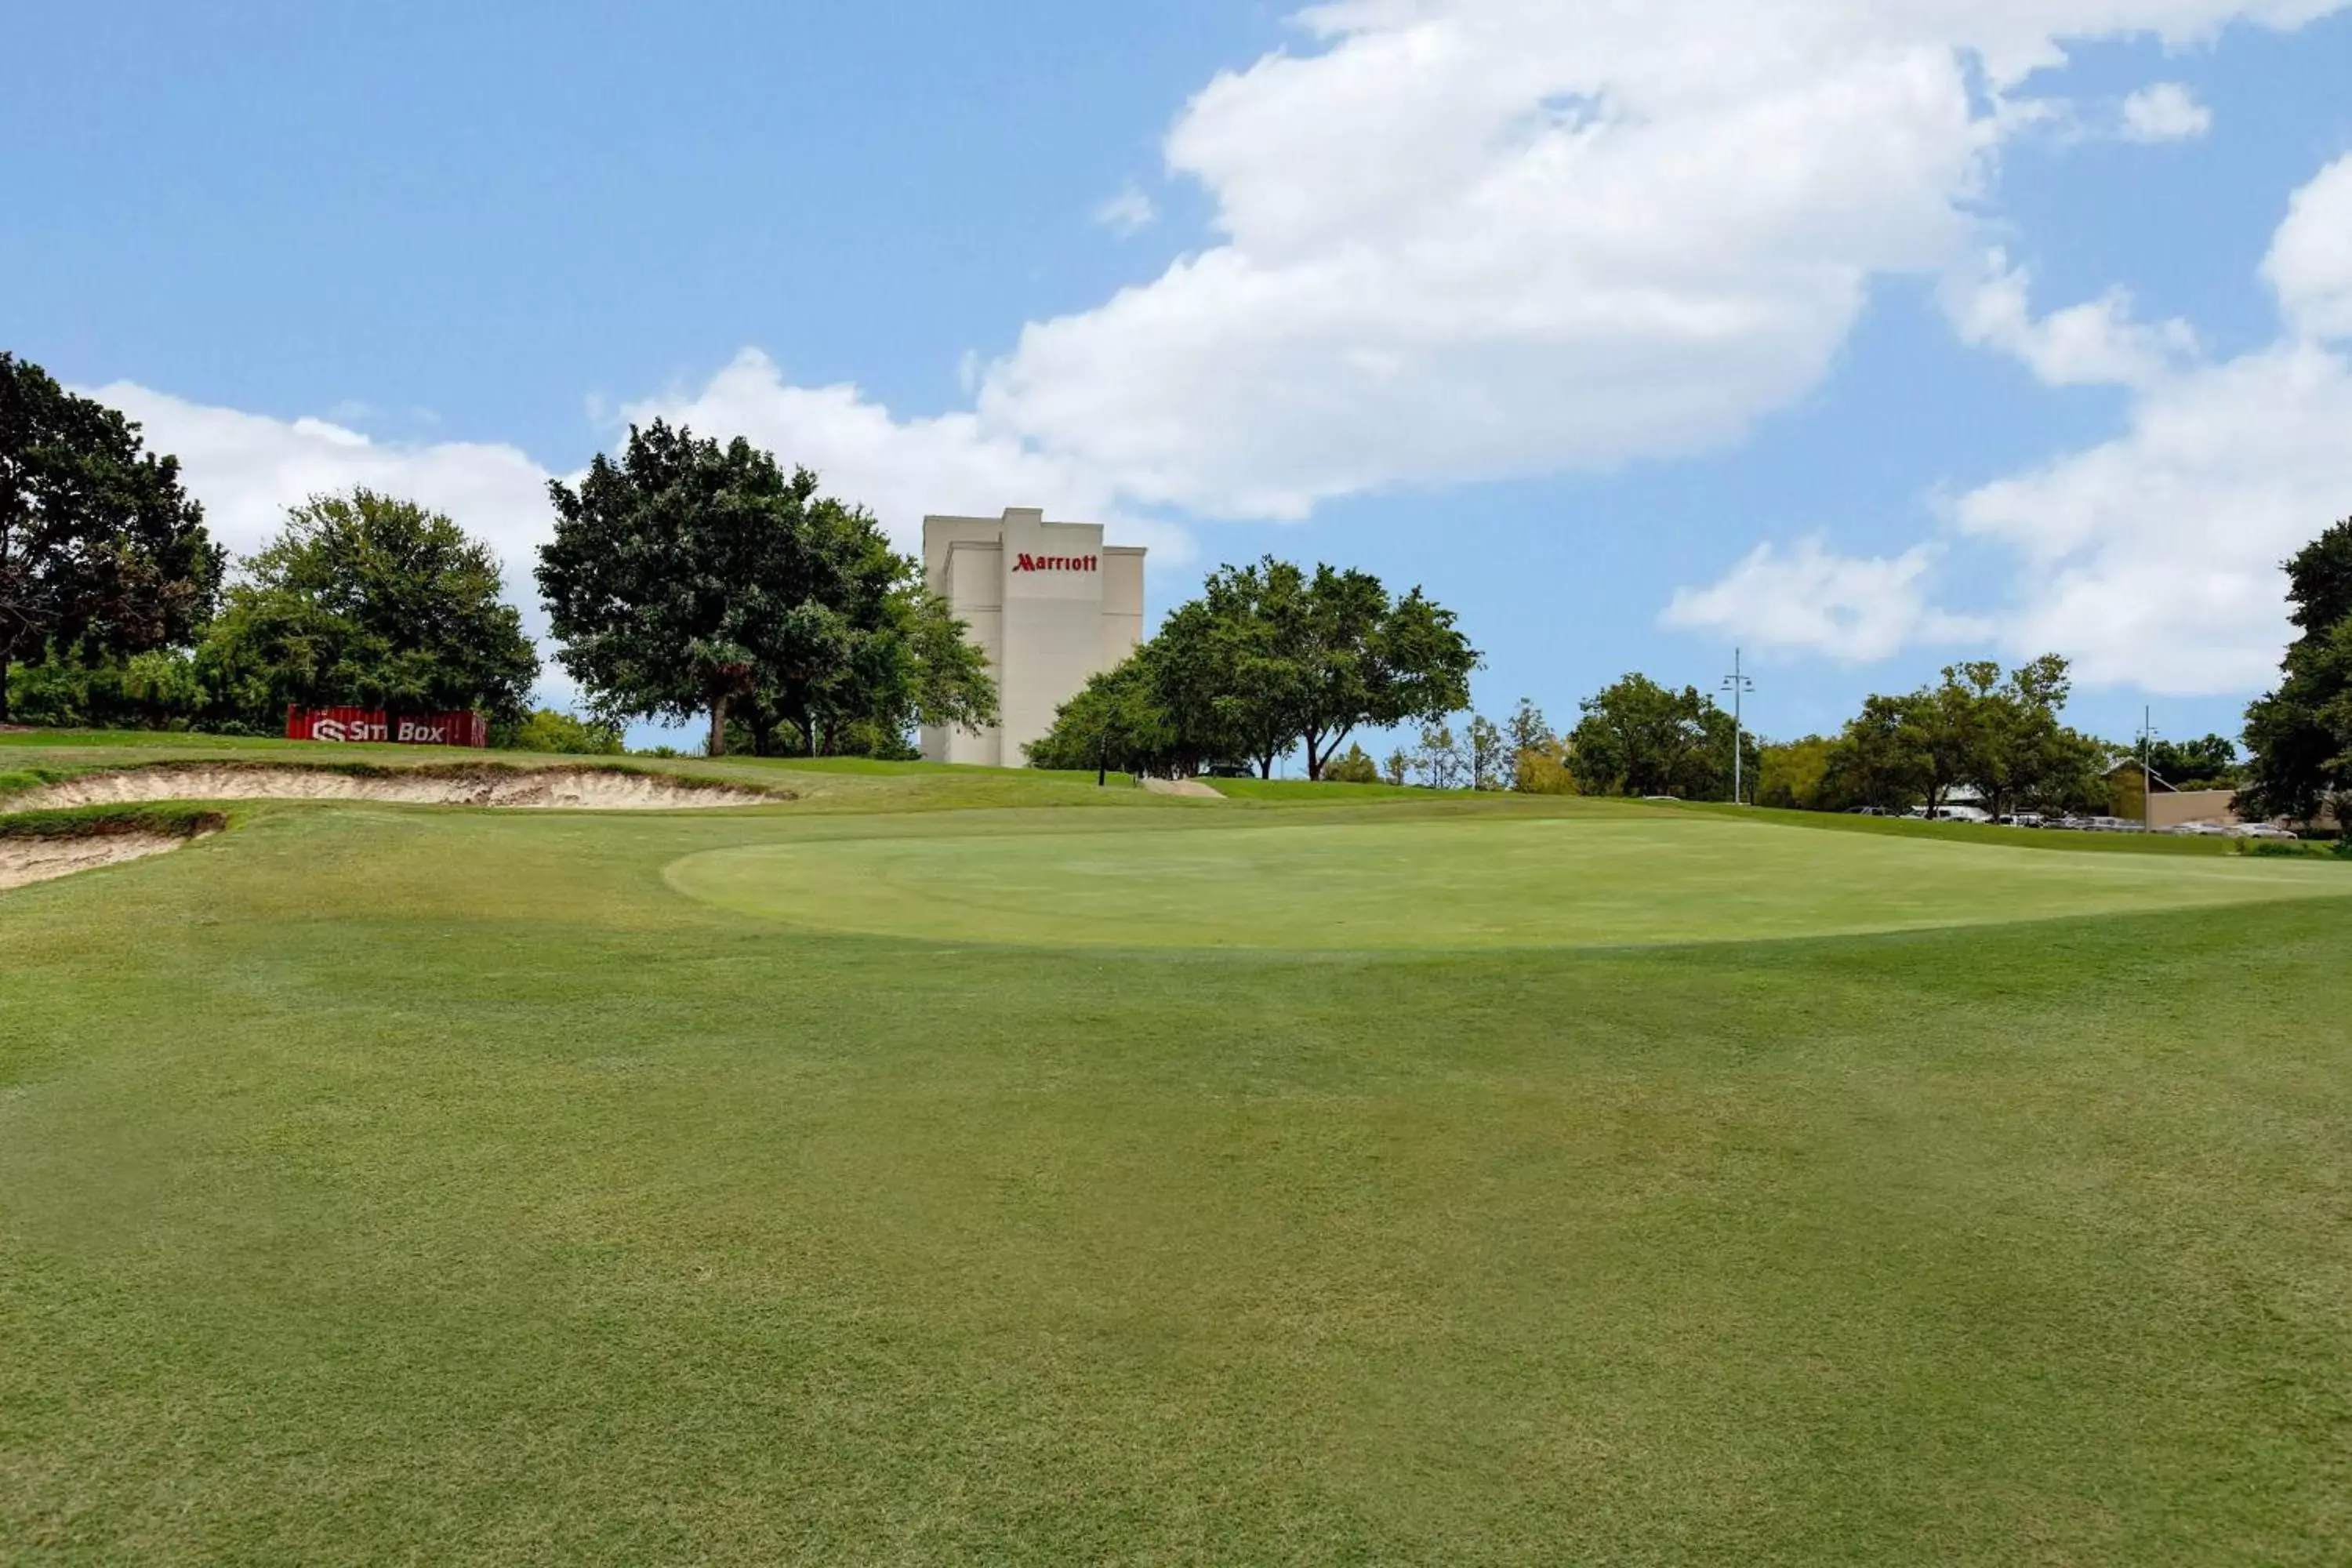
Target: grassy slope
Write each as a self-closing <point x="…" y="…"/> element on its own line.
<point x="380" y="1182"/>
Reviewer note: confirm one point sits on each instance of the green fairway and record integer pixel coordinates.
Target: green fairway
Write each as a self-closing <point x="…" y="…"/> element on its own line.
<point x="429" y="1185"/>
<point x="1579" y="880"/>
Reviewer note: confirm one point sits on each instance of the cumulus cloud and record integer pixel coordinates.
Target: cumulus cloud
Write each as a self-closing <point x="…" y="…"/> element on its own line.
<point x="901" y="469"/>
<point x="2165" y="112"/>
<point x="1812" y="600"/>
<point x="247" y="469"/>
<point x="2310" y="261"/>
<point x="2154" y="557"/>
<point x="1471" y="238"/>
<point x="2151" y="559"/>
<point x="2095" y="343"/>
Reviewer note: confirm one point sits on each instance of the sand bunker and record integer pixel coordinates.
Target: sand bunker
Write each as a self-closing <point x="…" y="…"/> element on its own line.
<point x="23" y="860"/>
<point x="548" y="788"/>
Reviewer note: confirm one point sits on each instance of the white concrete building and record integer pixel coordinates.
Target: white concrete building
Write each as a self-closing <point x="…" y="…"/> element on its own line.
<point x="1049" y="604"/>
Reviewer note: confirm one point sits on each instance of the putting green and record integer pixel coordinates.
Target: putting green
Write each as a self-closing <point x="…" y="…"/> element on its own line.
<point x="1550" y="883"/>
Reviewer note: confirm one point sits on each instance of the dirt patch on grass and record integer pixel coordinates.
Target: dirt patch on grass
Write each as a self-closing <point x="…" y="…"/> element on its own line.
<point x="522" y="788"/>
<point x="1190" y="789"/>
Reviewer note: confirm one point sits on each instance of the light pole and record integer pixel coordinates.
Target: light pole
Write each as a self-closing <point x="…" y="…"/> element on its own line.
<point x="1739" y="685"/>
<point x="2147" y="769"/>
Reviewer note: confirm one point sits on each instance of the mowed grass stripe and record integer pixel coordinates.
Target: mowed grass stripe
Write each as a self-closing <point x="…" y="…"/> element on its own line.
<point x="1448" y="884"/>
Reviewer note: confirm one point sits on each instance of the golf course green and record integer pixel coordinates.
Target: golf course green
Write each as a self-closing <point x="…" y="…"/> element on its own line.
<point x="1563" y="881"/>
<point x="951" y="1165"/>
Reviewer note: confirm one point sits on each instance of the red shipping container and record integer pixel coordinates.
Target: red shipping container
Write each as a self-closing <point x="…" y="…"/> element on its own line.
<point x="356" y="724"/>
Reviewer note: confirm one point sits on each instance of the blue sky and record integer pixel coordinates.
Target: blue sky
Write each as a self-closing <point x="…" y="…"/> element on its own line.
<point x="1561" y="318"/>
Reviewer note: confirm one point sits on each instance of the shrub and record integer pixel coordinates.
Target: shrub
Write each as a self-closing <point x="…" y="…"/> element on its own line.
<point x="1355" y="765"/>
<point x="1543" y="772"/>
<point x="549" y="730"/>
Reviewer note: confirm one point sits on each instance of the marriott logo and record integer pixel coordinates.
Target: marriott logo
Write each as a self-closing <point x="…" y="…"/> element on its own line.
<point x="1056" y="563"/>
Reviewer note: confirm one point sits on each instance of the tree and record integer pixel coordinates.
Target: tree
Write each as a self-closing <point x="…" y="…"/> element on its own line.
<point x="1307" y="659"/>
<point x="1115" y="722"/>
<point x="1999" y="734"/>
<point x="694" y="578"/>
<point x="2299" y="736"/>
<point x="1639" y="737"/>
<point x="2208" y="764"/>
<point x="101" y="553"/>
<point x="1794" y="775"/>
<point x="1488" y="753"/>
<point x="1880" y="759"/>
<point x="1439" y="758"/>
<point x="1397" y="764"/>
<point x="1271" y="657"/>
<point x="1538" y="758"/>
<point x="372" y="601"/>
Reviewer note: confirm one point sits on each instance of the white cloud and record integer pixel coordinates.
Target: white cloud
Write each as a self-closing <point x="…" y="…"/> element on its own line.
<point x="247" y="469"/>
<point x="1812" y="600"/>
<point x="2165" y="111"/>
<point x="1128" y="213"/>
<point x="2310" y="261"/>
<point x="2151" y="559"/>
<point x="2088" y="344"/>
<point x="1470" y="238"/>
<point x="901" y="470"/>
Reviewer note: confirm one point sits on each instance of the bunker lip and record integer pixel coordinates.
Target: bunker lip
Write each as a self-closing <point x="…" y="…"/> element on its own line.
<point x="551" y="787"/>
<point x="41" y="848"/>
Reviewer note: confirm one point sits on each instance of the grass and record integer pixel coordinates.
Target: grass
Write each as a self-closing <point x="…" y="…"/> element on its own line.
<point x="439" y="1184"/>
<point x="1590" y="877"/>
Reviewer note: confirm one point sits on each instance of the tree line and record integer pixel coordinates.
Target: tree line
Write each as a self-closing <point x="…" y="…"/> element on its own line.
<point x="685" y="579"/>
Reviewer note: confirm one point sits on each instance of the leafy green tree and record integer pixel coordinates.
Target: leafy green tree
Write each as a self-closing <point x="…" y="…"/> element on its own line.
<point x="1307" y="659"/>
<point x="372" y="601"/>
<point x="1999" y="734"/>
<point x="1639" y="737"/>
<point x="694" y="578"/>
<point x="1880" y="759"/>
<point x="1399" y="763"/>
<point x="2016" y="749"/>
<point x="2208" y="764"/>
<point x="1271" y="657"/>
<point x="1794" y="775"/>
<point x="2299" y="736"/>
<point x="101" y="553"/>
<point x="1115" y="722"/>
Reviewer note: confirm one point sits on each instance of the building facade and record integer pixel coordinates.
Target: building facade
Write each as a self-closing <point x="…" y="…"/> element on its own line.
<point x="1050" y="605"/>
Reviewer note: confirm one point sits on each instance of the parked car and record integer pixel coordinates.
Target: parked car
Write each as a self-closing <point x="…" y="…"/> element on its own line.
<point x="1960" y="814"/>
<point x="2021" y="819"/>
<point x="2198" y="830"/>
<point x="2260" y="830"/>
